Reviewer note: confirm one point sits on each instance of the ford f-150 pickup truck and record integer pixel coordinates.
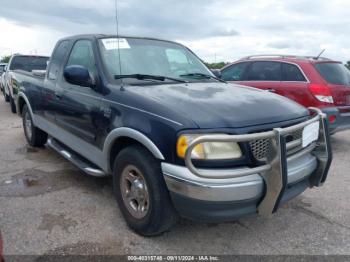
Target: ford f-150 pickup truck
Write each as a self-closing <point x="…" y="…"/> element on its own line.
<point x="18" y="65"/>
<point x="177" y="140"/>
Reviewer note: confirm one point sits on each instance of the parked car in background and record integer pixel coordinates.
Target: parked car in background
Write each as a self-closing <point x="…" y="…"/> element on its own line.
<point x="2" y="85"/>
<point x="176" y="139"/>
<point x="2" y="68"/>
<point x="19" y="65"/>
<point x="2" y="71"/>
<point x="312" y="82"/>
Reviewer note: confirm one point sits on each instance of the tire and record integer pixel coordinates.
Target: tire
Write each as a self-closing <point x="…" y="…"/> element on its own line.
<point x="159" y="214"/>
<point x="7" y="98"/>
<point x="35" y="136"/>
<point x="13" y="105"/>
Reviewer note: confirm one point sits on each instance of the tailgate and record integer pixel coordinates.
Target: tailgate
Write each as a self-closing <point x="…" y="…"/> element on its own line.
<point x="337" y="77"/>
<point x="341" y="94"/>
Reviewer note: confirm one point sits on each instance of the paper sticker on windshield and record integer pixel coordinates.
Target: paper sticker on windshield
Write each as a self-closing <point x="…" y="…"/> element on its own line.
<point x="112" y="43"/>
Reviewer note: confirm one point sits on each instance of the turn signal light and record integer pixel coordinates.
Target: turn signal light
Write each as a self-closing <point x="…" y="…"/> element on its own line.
<point x="321" y="92"/>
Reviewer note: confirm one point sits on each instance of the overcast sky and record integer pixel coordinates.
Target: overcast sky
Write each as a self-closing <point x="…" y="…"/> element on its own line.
<point x="221" y="30"/>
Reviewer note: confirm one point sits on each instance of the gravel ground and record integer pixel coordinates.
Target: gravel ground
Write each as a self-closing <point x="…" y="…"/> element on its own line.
<point x="47" y="206"/>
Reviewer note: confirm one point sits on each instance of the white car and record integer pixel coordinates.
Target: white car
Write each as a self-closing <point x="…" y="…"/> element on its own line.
<point x="2" y="77"/>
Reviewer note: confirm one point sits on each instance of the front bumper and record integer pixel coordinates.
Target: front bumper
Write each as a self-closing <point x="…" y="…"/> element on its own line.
<point x="342" y="118"/>
<point x="219" y="195"/>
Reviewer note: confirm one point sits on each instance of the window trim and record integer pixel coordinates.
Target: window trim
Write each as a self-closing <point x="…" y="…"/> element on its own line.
<point x="301" y="70"/>
<point x="236" y="63"/>
<point x="63" y="60"/>
<point x="254" y="61"/>
<point x="70" y="50"/>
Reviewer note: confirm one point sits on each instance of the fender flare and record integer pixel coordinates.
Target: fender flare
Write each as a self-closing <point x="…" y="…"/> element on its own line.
<point x="26" y="100"/>
<point x="130" y="133"/>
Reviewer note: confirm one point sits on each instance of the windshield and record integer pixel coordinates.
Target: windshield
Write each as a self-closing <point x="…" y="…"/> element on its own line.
<point x="334" y="73"/>
<point x="150" y="57"/>
<point x="29" y="63"/>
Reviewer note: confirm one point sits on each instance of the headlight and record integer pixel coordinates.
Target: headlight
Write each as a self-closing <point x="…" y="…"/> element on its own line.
<point x="208" y="150"/>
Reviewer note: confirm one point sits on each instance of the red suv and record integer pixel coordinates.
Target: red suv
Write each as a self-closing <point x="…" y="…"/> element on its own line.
<point x="317" y="82"/>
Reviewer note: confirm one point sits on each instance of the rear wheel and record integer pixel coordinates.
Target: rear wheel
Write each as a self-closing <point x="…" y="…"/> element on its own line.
<point x="141" y="192"/>
<point x="7" y="98"/>
<point x="35" y="136"/>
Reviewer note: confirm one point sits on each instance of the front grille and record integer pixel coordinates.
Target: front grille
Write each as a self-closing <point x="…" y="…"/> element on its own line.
<point x="260" y="147"/>
<point x="297" y="134"/>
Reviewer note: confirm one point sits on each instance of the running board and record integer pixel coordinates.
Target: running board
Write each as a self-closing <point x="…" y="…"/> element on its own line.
<point x="74" y="158"/>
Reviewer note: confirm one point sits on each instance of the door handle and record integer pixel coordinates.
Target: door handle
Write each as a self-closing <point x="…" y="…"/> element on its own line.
<point x="58" y="95"/>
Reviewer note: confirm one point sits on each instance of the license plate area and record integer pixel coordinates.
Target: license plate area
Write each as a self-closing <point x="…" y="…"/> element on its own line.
<point x="310" y="133"/>
<point x="348" y="100"/>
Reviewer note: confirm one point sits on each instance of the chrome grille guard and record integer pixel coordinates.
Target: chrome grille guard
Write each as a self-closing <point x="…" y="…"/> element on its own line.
<point x="274" y="171"/>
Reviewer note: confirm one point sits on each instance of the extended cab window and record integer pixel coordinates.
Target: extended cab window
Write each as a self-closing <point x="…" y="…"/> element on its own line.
<point x="82" y="54"/>
<point x="234" y="72"/>
<point x="57" y="59"/>
<point x="264" y="71"/>
<point x="292" y="73"/>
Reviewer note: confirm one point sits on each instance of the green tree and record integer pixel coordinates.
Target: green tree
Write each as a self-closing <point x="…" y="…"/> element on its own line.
<point x="216" y="65"/>
<point x="5" y="59"/>
<point x="348" y="64"/>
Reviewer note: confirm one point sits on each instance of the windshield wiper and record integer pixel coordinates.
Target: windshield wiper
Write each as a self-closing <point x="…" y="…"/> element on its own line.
<point x="152" y="77"/>
<point x="203" y="76"/>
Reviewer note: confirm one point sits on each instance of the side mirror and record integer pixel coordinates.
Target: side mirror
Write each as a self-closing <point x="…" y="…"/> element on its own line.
<point x="78" y="75"/>
<point x="216" y="72"/>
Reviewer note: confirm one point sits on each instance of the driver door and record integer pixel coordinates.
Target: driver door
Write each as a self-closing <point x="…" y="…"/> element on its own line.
<point x="79" y="107"/>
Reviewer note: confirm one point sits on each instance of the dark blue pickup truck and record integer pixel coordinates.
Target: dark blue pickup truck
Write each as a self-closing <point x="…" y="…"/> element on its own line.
<point x="177" y="140"/>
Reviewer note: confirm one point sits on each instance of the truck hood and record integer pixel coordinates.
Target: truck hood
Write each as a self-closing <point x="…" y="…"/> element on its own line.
<point x="221" y="105"/>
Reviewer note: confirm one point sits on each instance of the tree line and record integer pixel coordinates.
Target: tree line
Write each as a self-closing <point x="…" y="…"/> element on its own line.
<point x="5" y="59"/>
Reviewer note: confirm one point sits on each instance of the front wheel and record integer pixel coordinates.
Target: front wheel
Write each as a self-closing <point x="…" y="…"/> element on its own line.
<point x="35" y="136"/>
<point x="7" y="98"/>
<point x="13" y="105"/>
<point x="141" y="192"/>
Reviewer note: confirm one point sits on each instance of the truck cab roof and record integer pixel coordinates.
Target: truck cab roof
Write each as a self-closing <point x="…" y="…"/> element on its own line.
<point x="100" y="36"/>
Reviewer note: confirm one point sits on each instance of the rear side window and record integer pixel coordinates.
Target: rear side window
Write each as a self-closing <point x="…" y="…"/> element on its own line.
<point x="234" y="72"/>
<point x="57" y="59"/>
<point x="28" y="63"/>
<point x="292" y="73"/>
<point x="334" y="73"/>
<point x="264" y="71"/>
